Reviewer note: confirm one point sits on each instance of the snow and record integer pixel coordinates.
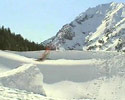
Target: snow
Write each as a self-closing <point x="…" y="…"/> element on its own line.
<point x="72" y="75"/>
<point x="26" y="77"/>
<point x="101" y="89"/>
<point x="103" y="22"/>
<point x="68" y="75"/>
<point x="16" y="94"/>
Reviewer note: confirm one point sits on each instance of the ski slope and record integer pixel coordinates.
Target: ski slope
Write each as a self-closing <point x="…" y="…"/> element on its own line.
<point x="66" y="75"/>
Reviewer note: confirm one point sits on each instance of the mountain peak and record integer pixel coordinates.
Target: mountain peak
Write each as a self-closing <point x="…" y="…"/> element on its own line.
<point x="98" y="28"/>
<point x="113" y="3"/>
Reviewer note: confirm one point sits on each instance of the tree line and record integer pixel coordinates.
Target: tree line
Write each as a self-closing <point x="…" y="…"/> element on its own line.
<point x="15" y="42"/>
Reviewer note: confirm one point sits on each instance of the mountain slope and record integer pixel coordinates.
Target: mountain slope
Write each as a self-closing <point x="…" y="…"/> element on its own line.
<point x="99" y="28"/>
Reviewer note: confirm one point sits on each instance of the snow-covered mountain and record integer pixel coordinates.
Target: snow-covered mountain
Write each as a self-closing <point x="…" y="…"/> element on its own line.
<point x="98" y="28"/>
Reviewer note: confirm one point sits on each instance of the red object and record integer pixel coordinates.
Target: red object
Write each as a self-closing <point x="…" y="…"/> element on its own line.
<point x="47" y="48"/>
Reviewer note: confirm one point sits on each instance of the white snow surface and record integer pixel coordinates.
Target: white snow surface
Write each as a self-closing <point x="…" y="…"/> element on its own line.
<point x="26" y="77"/>
<point x="66" y="75"/>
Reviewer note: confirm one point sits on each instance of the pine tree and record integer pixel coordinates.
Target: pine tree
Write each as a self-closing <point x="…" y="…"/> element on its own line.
<point x="11" y="41"/>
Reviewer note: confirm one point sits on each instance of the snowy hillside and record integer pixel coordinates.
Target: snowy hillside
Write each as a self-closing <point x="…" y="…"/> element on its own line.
<point x="19" y="78"/>
<point x="98" y="28"/>
<point x="67" y="75"/>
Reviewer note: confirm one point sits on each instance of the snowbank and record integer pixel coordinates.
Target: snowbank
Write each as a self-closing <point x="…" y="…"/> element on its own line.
<point x="16" y="94"/>
<point x="10" y="60"/>
<point x="26" y="77"/>
<point x="114" y="66"/>
<point x="69" y="74"/>
<point x="112" y="88"/>
<point x="13" y="56"/>
<point x="71" y="55"/>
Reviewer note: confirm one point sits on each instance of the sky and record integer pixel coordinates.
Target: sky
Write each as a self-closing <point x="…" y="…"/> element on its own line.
<point x="38" y="20"/>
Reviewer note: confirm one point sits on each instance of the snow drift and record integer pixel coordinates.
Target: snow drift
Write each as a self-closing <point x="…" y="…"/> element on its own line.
<point x="26" y="77"/>
<point x="67" y="74"/>
<point x="111" y="88"/>
<point x="16" y="94"/>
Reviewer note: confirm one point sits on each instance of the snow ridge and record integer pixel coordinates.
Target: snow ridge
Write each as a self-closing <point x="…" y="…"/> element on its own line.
<point x="27" y="77"/>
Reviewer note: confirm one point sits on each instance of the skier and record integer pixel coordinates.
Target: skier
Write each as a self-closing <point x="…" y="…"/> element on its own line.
<point x="44" y="55"/>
